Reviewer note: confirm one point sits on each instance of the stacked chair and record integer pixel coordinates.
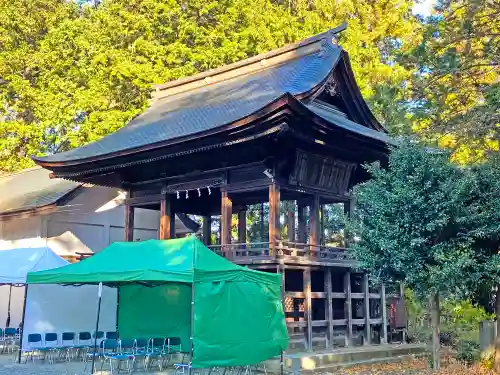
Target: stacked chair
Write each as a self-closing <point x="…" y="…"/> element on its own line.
<point x="9" y="340"/>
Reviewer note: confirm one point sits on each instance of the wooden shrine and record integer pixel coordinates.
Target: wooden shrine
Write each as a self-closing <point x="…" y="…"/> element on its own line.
<point x="286" y="126"/>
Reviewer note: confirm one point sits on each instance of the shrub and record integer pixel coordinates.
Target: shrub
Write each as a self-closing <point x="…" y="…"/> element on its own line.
<point x="467" y="351"/>
<point x="487" y="359"/>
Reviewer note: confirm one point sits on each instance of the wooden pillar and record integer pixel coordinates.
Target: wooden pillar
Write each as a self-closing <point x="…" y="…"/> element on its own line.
<point x="366" y="292"/>
<point x="225" y="219"/>
<point x="207" y="229"/>
<point x="129" y="223"/>
<point x="261" y="222"/>
<point x="348" y="308"/>
<point x="384" y="314"/>
<point x="329" y="304"/>
<point x="322" y="225"/>
<point x="314" y="222"/>
<point x="301" y="221"/>
<point x="167" y="219"/>
<point x="274" y="214"/>
<point x="242" y="226"/>
<point x="308" y="308"/>
<point x="348" y="210"/>
<point x="290" y="219"/>
<point x="281" y="268"/>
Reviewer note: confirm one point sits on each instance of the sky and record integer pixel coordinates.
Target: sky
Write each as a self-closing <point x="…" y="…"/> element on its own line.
<point x="423" y="7"/>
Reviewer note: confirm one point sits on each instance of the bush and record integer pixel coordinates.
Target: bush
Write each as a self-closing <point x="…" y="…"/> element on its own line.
<point x="487" y="359"/>
<point x="467" y="351"/>
<point x="459" y="326"/>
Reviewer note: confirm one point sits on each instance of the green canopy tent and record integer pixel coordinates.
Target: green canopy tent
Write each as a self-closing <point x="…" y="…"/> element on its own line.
<point x="225" y="314"/>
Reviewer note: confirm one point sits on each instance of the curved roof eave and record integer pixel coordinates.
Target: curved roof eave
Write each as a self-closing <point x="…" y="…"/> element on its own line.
<point x="286" y="101"/>
<point x="334" y="119"/>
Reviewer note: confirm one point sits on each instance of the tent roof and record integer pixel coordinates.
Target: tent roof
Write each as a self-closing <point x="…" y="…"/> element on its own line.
<point x="184" y="260"/>
<point x="15" y="264"/>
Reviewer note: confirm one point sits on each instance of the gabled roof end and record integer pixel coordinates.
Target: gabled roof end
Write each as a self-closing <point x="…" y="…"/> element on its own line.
<point x="253" y="64"/>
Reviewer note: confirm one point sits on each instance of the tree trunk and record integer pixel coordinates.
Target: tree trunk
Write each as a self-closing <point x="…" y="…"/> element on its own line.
<point x="434" y="305"/>
<point x="497" y="339"/>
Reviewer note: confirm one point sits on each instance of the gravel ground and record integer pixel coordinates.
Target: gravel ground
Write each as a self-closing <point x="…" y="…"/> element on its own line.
<point x="7" y="367"/>
<point x="410" y="367"/>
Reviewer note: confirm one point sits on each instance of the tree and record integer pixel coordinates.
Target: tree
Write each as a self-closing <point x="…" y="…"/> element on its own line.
<point x="485" y="212"/>
<point x="417" y="223"/>
<point x="454" y="95"/>
<point x="73" y="72"/>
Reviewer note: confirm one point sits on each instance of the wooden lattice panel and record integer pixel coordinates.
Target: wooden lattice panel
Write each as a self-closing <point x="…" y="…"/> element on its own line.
<point x="288" y="304"/>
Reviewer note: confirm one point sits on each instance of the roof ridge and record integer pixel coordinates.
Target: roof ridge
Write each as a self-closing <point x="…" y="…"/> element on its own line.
<point x="243" y="67"/>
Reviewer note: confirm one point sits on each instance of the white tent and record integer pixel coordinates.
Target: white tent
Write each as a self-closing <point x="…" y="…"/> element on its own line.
<point x="49" y="308"/>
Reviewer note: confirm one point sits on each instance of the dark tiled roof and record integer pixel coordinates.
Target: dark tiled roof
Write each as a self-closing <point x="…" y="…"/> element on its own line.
<point x="33" y="188"/>
<point x="207" y="106"/>
<point x="30" y="189"/>
<point x="335" y="117"/>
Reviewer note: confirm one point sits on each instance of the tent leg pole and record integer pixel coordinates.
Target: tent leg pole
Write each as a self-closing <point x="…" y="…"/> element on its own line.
<point x="7" y="322"/>
<point x="282" y="364"/>
<point x="22" y="324"/>
<point x="96" y="328"/>
<point x="190" y="364"/>
<point x="117" y="307"/>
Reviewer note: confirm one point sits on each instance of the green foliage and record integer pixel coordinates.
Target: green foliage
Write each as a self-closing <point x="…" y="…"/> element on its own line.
<point x="459" y="325"/>
<point x="455" y="89"/>
<point x="435" y="226"/>
<point x="417" y="223"/>
<point x="463" y="314"/>
<point x="468" y="352"/>
<point x="418" y="318"/>
<point x="71" y="74"/>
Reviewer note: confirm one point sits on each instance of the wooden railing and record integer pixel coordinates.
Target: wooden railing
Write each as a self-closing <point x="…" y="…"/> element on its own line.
<point x="262" y="252"/>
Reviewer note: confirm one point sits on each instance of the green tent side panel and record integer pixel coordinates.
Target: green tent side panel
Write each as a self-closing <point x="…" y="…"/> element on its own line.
<point x="237" y="323"/>
<point x="161" y="311"/>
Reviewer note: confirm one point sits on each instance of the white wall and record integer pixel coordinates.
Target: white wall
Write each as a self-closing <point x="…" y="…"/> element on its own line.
<point x="95" y="216"/>
<point x="21" y="232"/>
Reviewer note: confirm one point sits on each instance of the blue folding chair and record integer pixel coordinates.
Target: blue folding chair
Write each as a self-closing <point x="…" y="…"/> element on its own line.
<point x="10" y="333"/>
<point x="67" y="348"/>
<point x="99" y="335"/>
<point x="157" y="349"/>
<point x="51" y="346"/>
<point x="34" y="343"/>
<point x="141" y="352"/>
<point x="112" y="355"/>
<point x="2" y="341"/>
<point x="173" y="347"/>
<point x="36" y="348"/>
<point x="128" y="347"/>
<point x="97" y="339"/>
<point x="97" y="355"/>
<point x="83" y="345"/>
<point x="112" y="335"/>
<point x="9" y="339"/>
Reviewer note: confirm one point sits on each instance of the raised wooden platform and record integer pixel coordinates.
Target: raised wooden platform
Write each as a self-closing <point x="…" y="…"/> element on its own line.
<point x="328" y="360"/>
<point x="285" y="252"/>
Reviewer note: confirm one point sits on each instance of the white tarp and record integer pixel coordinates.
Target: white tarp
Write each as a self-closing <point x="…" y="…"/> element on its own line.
<point x="50" y="308"/>
<point x="16" y="305"/>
